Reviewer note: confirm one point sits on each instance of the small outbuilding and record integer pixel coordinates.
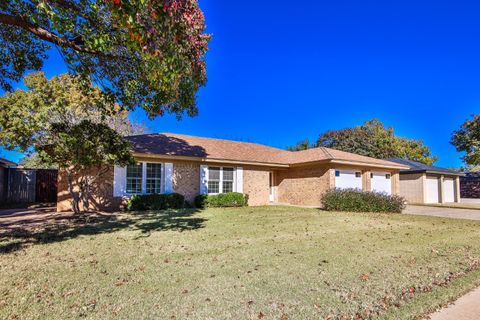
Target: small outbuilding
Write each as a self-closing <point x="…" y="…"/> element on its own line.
<point x="428" y="184"/>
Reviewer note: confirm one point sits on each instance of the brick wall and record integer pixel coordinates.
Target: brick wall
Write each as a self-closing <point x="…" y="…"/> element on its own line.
<point x="101" y="194"/>
<point x="186" y="179"/>
<point x="256" y="183"/>
<point x="411" y="187"/>
<point x="302" y="186"/>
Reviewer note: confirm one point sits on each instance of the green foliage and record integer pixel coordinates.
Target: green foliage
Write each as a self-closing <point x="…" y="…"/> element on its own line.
<point x="26" y="116"/>
<point x="373" y="139"/>
<point x="155" y="202"/>
<point x="148" y="53"/>
<point x="33" y="161"/>
<point x="230" y="199"/>
<point x="354" y="200"/>
<point x="85" y="145"/>
<point x="67" y="124"/>
<point x="301" y="145"/>
<point x="467" y="140"/>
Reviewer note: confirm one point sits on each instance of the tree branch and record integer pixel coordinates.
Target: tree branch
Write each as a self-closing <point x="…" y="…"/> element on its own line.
<point x="43" y="33"/>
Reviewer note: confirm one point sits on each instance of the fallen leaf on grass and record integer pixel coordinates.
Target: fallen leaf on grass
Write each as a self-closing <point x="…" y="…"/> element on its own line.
<point x="365" y="277"/>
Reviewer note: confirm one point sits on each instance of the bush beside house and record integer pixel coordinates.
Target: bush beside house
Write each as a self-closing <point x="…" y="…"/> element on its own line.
<point x="156" y="202"/>
<point x="230" y="199"/>
<point x="354" y="200"/>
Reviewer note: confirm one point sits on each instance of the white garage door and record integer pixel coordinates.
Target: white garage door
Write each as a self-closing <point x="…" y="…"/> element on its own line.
<point x="381" y="182"/>
<point x="346" y="179"/>
<point x="449" y="190"/>
<point x="432" y="190"/>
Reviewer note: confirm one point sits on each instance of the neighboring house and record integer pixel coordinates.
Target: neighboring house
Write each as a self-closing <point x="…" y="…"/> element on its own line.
<point x="428" y="184"/>
<point x="470" y="185"/>
<point x="4" y="165"/>
<point x="192" y="165"/>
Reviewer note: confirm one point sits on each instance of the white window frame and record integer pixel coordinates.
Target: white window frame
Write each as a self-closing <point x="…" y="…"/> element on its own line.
<point x="221" y="180"/>
<point x="126" y="179"/>
<point x="161" y="178"/>
<point x="144" y="177"/>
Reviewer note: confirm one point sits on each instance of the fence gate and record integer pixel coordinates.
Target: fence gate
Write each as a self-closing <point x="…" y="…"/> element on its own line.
<point x="20" y="186"/>
<point x="30" y="185"/>
<point x="46" y="186"/>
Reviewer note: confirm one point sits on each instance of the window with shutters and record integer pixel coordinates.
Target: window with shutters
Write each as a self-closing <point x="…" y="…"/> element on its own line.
<point x="220" y="180"/>
<point x="144" y="178"/>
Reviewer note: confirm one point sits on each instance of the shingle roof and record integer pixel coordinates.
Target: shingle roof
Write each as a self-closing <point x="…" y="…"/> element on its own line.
<point x="416" y="166"/>
<point x="169" y="144"/>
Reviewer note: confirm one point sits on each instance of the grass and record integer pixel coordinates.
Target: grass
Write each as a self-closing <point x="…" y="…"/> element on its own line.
<point x="247" y="263"/>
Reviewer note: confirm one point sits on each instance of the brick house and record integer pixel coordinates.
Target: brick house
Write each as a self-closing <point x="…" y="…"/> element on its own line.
<point x="192" y="165"/>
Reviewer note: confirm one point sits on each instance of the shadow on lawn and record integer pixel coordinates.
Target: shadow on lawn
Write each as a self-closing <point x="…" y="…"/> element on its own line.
<point x="94" y="223"/>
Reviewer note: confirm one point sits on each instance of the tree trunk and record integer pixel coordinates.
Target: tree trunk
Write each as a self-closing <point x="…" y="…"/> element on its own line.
<point x="75" y="195"/>
<point x="85" y="192"/>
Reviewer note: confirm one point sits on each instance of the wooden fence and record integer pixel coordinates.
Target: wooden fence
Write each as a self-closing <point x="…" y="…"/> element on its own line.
<point x="30" y="185"/>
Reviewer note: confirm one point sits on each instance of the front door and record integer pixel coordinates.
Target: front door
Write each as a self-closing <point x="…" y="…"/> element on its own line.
<point x="271" y="197"/>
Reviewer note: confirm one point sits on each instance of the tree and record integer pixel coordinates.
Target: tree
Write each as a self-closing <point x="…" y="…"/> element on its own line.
<point x="147" y="53"/>
<point x="79" y="148"/>
<point x="373" y="139"/>
<point x="66" y="125"/>
<point x="33" y="161"/>
<point x="467" y="140"/>
<point x="301" y="145"/>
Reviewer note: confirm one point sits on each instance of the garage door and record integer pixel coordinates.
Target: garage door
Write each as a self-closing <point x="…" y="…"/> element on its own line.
<point x="346" y="179"/>
<point x="381" y="182"/>
<point x="432" y="190"/>
<point x="449" y="190"/>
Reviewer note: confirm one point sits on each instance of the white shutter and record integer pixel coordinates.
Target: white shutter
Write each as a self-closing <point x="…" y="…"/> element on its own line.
<point x="203" y="179"/>
<point x="119" y="181"/>
<point x="168" y="177"/>
<point x="239" y="179"/>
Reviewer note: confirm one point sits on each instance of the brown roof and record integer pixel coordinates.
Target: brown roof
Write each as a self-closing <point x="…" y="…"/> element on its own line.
<point x="169" y="144"/>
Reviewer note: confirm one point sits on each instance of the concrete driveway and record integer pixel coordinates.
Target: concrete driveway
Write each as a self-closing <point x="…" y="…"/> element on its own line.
<point x="472" y="214"/>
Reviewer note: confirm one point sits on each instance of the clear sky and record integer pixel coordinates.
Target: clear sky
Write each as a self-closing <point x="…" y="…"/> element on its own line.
<point x="281" y="71"/>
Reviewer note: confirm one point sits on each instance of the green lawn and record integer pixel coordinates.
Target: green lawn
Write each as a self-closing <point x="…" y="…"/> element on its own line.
<point x="249" y="263"/>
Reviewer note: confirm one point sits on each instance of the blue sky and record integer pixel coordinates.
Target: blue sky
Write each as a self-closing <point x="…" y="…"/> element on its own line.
<point x="282" y="71"/>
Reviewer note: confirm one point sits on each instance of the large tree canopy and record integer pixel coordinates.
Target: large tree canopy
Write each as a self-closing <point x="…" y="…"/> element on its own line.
<point x="467" y="140"/>
<point x="67" y="126"/>
<point x="147" y="53"/>
<point x="26" y="116"/>
<point x="372" y="139"/>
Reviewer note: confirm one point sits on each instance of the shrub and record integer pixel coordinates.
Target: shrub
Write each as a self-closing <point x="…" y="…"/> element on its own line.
<point x="230" y="199"/>
<point x="155" y="202"/>
<point x="354" y="200"/>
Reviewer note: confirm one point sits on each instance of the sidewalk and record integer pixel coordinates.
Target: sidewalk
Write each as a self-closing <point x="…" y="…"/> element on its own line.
<point x="465" y="308"/>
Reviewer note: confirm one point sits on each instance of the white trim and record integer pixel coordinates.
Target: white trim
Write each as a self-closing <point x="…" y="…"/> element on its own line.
<point x="144" y="178"/>
<point x="203" y="179"/>
<point x="239" y="179"/>
<point x="168" y="177"/>
<point x="119" y="181"/>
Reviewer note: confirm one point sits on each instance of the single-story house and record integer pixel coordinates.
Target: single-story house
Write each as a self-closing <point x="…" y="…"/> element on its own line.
<point x="470" y="185"/>
<point x="428" y="184"/>
<point x="192" y="165"/>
